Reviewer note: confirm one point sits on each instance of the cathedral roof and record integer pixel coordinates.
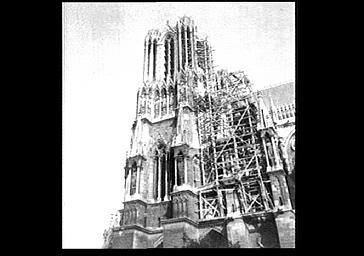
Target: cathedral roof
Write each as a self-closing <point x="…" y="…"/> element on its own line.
<point x="281" y="94"/>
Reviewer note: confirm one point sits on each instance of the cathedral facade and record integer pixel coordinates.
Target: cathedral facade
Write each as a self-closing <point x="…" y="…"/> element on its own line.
<point x="211" y="161"/>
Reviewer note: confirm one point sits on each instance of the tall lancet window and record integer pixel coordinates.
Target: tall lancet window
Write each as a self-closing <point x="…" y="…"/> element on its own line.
<point x="171" y="99"/>
<point x="133" y="180"/>
<point x="189" y="47"/>
<point x="178" y="49"/>
<point x="166" y="59"/>
<point x="156" y="103"/>
<point x="154" y="57"/>
<point x="149" y="52"/>
<point x="183" y="43"/>
<point x="180" y="169"/>
<point x="164" y="101"/>
<point x="171" y="58"/>
<point x="161" y="174"/>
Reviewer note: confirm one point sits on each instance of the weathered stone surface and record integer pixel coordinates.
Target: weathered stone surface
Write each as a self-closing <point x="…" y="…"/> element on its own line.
<point x="286" y="229"/>
<point x="238" y="233"/>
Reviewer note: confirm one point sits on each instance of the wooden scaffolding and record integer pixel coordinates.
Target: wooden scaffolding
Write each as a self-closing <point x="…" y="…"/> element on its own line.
<point x="232" y="155"/>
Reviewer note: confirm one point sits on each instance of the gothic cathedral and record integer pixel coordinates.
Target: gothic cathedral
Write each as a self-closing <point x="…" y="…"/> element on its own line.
<point x="206" y="165"/>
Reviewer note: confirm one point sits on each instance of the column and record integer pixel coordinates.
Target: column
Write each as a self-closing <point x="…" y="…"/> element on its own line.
<point x="203" y="172"/>
<point x="200" y="204"/>
<point x="137" y="179"/>
<point x="186" y="55"/>
<point x="181" y="209"/>
<point x="145" y="67"/>
<point x="140" y="177"/>
<point x="184" y="201"/>
<point x="165" y="178"/>
<point x="168" y="73"/>
<point x="179" y="46"/>
<point x="219" y="196"/>
<point x="167" y="107"/>
<point x="185" y="169"/>
<point x="175" y="59"/>
<point x="159" y="178"/>
<point x="174" y="204"/>
<point x="127" y="183"/>
<point x="178" y="201"/>
<point x="175" y="172"/>
<point x="152" y="105"/>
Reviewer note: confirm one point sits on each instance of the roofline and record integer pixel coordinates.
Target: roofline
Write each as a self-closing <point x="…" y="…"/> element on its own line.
<point x="276" y="85"/>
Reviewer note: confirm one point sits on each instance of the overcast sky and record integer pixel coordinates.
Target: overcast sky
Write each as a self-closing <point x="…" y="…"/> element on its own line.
<point x="103" y="67"/>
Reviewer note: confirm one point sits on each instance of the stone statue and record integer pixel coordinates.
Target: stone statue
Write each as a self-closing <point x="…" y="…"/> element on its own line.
<point x="270" y="153"/>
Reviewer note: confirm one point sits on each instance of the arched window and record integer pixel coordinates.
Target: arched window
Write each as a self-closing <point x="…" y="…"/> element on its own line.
<point x="183" y="46"/>
<point x="154" y="57"/>
<point x="164" y="102"/>
<point x="171" y="58"/>
<point x="149" y="49"/>
<point x="133" y="180"/>
<point x="162" y="177"/>
<point x="286" y="111"/>
<point x="290" y="110"/>
<point x="180" y="169"/>
<point x="156" y="103"/>
<point x="166" y="59"/>
<point x="283" y="116"/>
<point x="189" y="47"/>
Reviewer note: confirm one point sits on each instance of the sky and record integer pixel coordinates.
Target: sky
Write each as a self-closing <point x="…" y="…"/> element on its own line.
<point x="103" y="68"/>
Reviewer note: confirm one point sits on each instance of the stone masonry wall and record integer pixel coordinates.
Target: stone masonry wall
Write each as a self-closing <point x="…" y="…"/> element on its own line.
<point x="286" y="229"/>
<point x="157" y="212"/>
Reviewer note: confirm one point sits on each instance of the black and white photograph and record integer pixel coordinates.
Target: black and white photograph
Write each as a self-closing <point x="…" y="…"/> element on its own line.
<point x="178" y="125"/>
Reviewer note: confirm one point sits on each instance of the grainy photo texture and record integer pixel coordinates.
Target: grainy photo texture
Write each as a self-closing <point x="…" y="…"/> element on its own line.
<point x="179" y="119"/>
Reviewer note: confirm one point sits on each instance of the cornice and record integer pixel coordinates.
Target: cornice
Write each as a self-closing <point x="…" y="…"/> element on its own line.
<point x="180" y="220"/>
<point x="140" y="228"/>
<point x="177" y="193"/>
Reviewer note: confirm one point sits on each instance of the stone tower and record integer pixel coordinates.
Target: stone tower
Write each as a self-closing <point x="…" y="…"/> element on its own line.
<point x="164" y="167"/>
